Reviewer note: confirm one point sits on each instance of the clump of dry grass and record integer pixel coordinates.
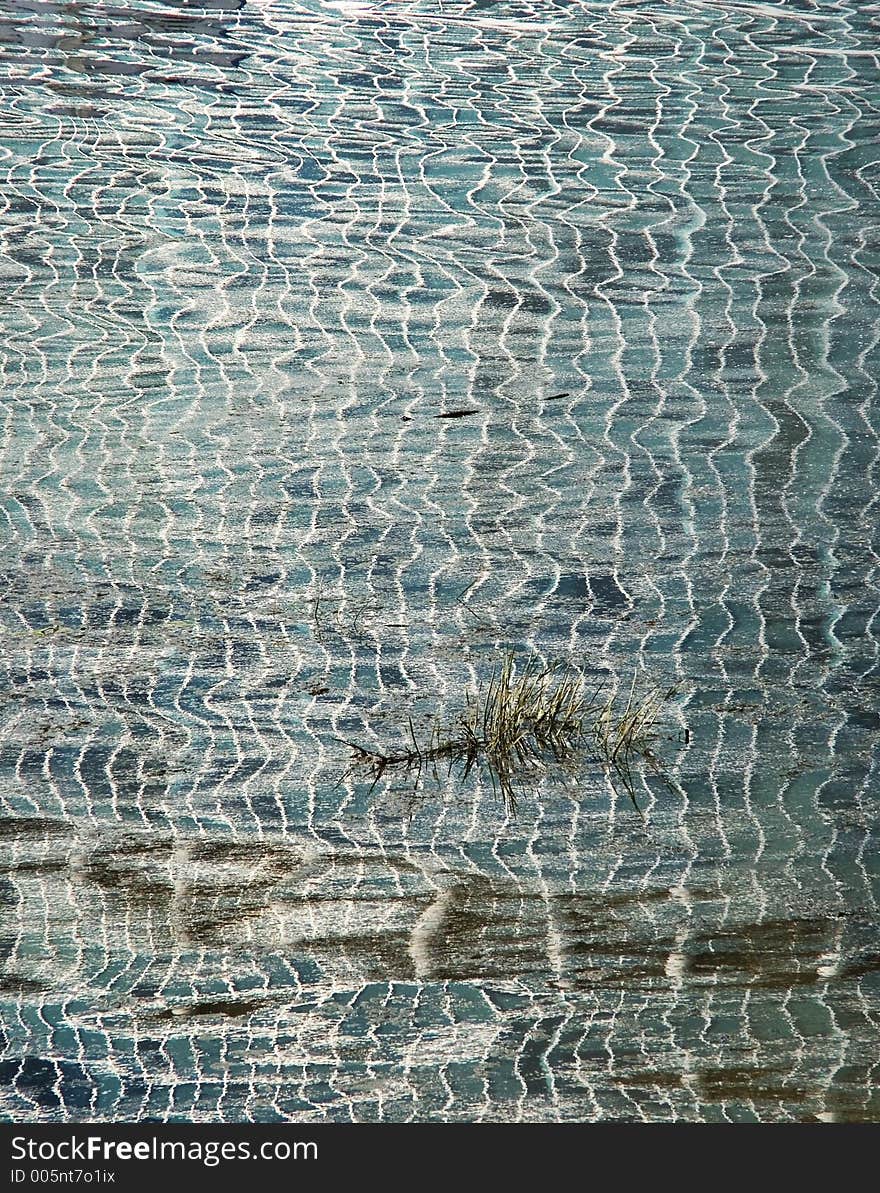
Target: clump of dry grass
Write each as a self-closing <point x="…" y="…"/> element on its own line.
<point x="522" y="719"/>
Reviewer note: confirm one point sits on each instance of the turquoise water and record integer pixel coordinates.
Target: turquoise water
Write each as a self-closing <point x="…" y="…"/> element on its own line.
<point x="249" y="251"/>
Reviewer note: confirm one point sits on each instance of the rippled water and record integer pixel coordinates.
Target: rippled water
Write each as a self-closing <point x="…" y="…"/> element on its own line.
<point x="249" y="251"/>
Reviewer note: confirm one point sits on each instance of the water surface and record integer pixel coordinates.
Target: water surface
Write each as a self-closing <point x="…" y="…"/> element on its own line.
<point x="249" y="251"/>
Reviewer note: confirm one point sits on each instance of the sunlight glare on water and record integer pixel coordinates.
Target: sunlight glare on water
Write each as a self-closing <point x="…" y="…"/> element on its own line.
<point x="250" y="251"/>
